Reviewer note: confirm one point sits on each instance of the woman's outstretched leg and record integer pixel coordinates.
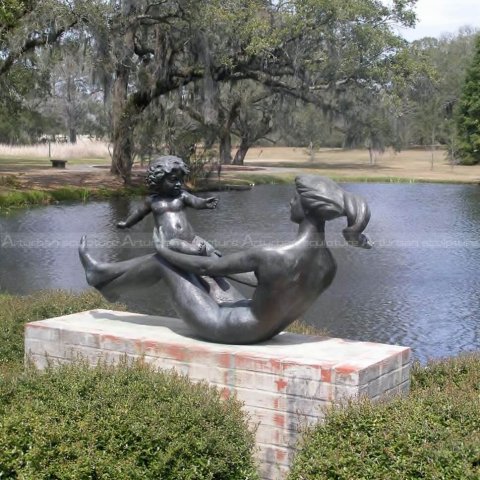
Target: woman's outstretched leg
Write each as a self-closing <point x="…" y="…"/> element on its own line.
<point x="139" y="272"/>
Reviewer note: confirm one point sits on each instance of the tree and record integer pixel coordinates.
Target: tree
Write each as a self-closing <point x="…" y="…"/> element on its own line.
<point x="147" y="50"/>
<point x="254" y="123"/>
<point x="302" y="47"/>
<point x="430" y="100"/>
<point x="151" y="49"/>
<point x="11" y="14"/>
<point x="73" y="99"/>
<point x="238" y="108"/>
<point x="25" y="26"/>
<point x="468" y="116"/>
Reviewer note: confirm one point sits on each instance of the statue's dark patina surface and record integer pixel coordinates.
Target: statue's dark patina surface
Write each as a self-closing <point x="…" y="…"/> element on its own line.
<point x="167" y="202"/>
<point x="288" y="278"/>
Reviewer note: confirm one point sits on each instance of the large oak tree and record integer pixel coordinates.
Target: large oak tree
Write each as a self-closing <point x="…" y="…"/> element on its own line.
<point x="145" y="50"/>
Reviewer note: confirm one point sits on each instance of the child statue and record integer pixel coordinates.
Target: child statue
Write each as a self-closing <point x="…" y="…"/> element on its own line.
<point x="167" y="203"/>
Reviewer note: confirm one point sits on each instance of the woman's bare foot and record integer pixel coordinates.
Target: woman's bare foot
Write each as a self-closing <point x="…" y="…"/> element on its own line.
<point x="97" y="274"/>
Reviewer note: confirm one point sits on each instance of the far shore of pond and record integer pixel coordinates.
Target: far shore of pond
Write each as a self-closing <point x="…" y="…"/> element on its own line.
<point x="28" y="181"/>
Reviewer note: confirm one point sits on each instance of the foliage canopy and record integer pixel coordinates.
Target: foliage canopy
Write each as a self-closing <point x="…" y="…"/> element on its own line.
<point x="468" y="115"/>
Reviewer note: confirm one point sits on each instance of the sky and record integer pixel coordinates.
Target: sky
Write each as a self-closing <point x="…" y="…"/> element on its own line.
<point x="443" y="16"/>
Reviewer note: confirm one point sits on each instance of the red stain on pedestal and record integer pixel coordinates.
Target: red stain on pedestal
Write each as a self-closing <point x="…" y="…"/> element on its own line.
<point x="280" y="455"/>
<point x="111" y="338"/>
<point x="326" y="376"/>
<point x="225" y="393"/>
<point x="149" y="344"/>
<point x="245" y="361"/>
<point x="176" y="352"/>
<point x="346" y="368"/>
<point x="279" y="420"/>
<point x="223" y="360"/>
<point x="281" y="384"/>
<point x="276" y="365"/>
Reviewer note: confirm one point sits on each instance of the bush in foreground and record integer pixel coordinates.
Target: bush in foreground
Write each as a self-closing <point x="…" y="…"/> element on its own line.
<point x="15" y="311"/>
<point x="434" y="433"/>
<point x="120" y="423"/>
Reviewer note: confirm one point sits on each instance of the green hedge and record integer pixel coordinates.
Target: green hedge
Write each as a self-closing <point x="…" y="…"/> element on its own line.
<point x="122" y="423"/>
<point x="434" y="433"/>
<point x="15" y="311"/>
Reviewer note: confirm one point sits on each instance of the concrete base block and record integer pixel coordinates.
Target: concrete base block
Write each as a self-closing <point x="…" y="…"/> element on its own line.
<point x="285" y="383"/>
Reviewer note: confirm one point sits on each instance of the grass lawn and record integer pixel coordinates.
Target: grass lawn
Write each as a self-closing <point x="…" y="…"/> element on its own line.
<point x="354" y="165"/>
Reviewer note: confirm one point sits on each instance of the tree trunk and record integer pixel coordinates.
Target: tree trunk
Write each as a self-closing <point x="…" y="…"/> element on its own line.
<point x="371" y="155"/>
<point x="73" y="135"/>
<point x="122" y="137"/>
<point x="432" y="149"/>
<point x="122" y="158"/>
<point x="241" y="152"/>
<point x="225" y="148"/>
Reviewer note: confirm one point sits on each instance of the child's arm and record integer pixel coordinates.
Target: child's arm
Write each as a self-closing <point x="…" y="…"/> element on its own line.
<point x="199" y="203"/>
<point x="137" y="215"/>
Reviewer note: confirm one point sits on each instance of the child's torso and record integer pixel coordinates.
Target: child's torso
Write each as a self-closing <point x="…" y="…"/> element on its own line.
<point x="169" y="213"/>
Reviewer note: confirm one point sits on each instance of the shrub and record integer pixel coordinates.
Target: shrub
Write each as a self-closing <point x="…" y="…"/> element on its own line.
<point x="9" y="181"/>
<point x="302" y="328"/>
<point x="70" y="194"/>
<point x="431" y="434"/>
<point x="15" y="311"/>
<point x="76" y="422"/>
<point x="19" y="198"/>
<point x="10" y="199"/>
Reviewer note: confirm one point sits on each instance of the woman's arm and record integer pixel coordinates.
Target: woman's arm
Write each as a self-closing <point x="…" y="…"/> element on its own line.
<point x="210" y="266"/>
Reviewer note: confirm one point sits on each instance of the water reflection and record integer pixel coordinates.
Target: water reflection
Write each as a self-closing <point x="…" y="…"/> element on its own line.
<point x="419" y="286"/>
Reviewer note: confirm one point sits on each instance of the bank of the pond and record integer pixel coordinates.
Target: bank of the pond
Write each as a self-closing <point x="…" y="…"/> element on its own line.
<point x="25" y="182"/>
<point x="432" y="433"/>
<point x="14" y="194"/>
<point x="19" y="197"/>
<point x="286" y="178"/>
<point x="10" y="198"/>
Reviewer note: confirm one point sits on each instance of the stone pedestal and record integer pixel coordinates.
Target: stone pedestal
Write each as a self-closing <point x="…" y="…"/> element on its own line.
<point x="284" y="383"/>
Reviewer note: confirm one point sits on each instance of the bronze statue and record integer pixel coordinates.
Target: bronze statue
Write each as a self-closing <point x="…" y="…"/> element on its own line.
<point x="167" y="202"/>
<point x="289" y="278"/>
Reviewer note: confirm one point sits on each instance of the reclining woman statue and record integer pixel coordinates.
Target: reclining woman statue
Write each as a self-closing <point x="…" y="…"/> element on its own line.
<point x="289" y="277"/>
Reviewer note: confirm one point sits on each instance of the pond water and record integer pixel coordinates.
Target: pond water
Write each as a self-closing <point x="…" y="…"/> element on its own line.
<point x="419" y="286"/>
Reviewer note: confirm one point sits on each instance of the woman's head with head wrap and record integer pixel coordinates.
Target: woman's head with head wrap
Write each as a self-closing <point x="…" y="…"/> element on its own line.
<point x="163" y="165"/>
<point x="322" y="200"/>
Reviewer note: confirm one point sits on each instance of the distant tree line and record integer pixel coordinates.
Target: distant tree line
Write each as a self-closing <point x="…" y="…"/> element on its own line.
<point x="171" y="75"/>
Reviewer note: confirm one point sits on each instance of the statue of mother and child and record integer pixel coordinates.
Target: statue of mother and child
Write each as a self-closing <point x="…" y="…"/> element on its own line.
<point x="287" y="278"/>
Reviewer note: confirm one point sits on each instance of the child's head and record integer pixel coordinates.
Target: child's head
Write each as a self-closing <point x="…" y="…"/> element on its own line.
<point x="166" y="173"/>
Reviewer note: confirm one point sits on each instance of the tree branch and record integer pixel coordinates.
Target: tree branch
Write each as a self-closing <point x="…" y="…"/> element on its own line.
<point x="141" y="50"/>
<point x="32" y="44"/>
<point x="152" y="5"/>
<point x="197" y="116"/>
